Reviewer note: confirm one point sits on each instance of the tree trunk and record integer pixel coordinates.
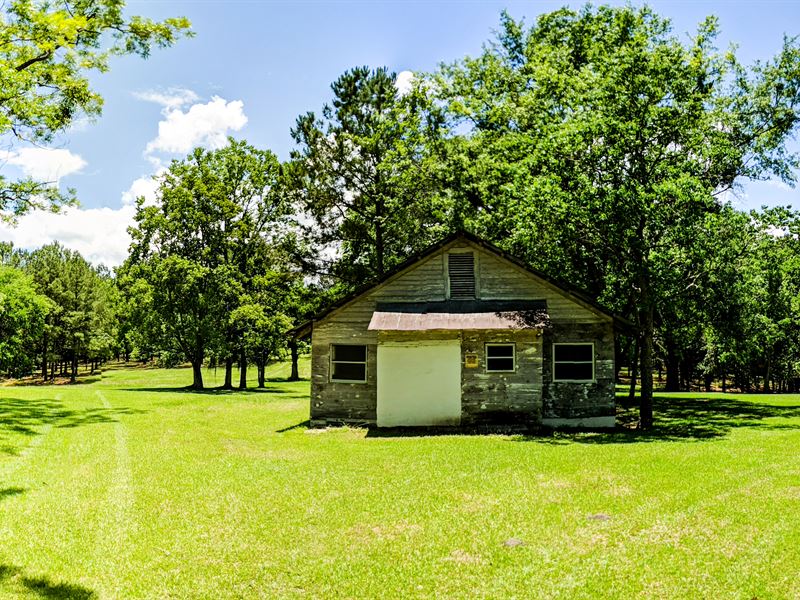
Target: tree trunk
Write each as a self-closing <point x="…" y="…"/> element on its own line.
<point x="74" y="374"/>
<point x="724" y="382"/>
<point x="634" y="370"/>
<point x="379" y="245"/>
<point x="44" y="357"/>
<point x="295" y="375"/>
<point x="228" y="385"/>
<point x="261" y="373"/>
<point x="707" y="379"/>
<point x="243" y="369"/>
<point x="673" y="368"/>
<point x="197" y="374"/>
<point x="646" y="375"/>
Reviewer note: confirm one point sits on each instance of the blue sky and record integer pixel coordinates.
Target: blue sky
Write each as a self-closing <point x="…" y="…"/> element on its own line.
<point x="254" y="66"/>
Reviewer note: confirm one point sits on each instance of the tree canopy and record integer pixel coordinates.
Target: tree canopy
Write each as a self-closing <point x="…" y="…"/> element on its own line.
<point x="47" y="51"/>
<point x="597" y="143"/>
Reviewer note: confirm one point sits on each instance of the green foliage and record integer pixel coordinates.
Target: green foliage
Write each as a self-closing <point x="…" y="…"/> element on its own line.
<point x="209" y="261"/>
<point x="365" y="173"/>
<point x="48" y="50"/>
<point x="84" y="307"/>
<point x="22" y="321"/>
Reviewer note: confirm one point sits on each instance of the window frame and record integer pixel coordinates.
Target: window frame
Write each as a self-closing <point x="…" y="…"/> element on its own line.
<point x="573" y="362"/>
<point x="486" y="347"/>
<point x="365" y="362"/>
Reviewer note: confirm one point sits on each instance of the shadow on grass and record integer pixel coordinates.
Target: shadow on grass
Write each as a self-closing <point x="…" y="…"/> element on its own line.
<point x="44" y="587"/>
<point x="221" y="391"/>
<point x="26" y="416"/>
<point x="400" y="432"/>
<point x="301" y="425"/>
<point x="11" y="491"/>
<point x="682" y="419"/>
<point x="676" y="419"/>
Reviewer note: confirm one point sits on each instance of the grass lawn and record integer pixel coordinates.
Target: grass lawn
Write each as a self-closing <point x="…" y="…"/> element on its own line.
<point x="128" y="487"/>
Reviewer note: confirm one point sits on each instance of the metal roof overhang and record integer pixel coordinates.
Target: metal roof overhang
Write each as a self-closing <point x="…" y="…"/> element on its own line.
<point x="457" y="315"/>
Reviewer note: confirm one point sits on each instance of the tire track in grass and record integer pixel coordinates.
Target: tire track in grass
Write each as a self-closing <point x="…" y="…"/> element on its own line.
<point x="29" y="450"/>
<point x="115" y="533"/>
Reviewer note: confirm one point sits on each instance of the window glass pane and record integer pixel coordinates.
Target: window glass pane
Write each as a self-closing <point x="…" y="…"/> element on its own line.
<point x="505" y="350"/>
<point x="499" y="364"/>
<point x="573" y="352"/>
<point x="576" y="371"/>
<point x="349" y="371"/>
<point x="351" y="353"/>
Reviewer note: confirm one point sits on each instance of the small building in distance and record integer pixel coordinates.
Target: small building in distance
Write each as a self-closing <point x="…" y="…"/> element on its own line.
<point x="463" y="335"/>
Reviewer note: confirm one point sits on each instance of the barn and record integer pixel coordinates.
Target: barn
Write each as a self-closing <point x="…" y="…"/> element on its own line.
<point x="465" y="335"/>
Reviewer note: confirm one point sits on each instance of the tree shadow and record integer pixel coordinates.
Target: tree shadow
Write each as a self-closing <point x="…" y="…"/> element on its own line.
<point x="218" y="390"/>
<point x="44" y="587"/>
<point x="301" y="425"/>
<point x="681" y="419"/>
<point x="11" y="491"/>
<point x="27" y="416"/>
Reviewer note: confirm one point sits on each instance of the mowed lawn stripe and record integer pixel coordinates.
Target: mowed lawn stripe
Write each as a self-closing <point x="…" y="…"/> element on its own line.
<point x="119" y="523"/>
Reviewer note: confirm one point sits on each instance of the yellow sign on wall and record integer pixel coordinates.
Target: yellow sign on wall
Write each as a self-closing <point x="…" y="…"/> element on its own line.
<point x="471" y="360"/>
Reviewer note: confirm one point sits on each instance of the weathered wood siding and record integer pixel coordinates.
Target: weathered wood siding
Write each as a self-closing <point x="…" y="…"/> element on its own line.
<point x="501" y="280"/>
<point x="502" y="397"/>
<point x="487" y="397"/>
<point x="568" y="400"/>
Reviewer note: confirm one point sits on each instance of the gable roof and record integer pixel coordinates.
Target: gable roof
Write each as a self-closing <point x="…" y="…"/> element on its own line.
<point x="580" y="296"/>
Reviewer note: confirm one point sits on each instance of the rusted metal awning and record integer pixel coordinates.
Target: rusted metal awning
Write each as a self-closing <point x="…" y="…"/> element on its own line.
<point x="449" y="315"/>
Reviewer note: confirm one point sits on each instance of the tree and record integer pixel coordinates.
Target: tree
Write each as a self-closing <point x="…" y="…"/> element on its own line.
<point x="22" y="314"/>
<point x="361" y="173"/>
<point x="81" y="321"/>
<point x="196" y="255"/>
<point x="598" y="141"/>
<point x="47" y="52"/>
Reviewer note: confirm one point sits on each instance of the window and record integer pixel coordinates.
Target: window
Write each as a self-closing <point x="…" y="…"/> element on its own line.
<point x="500" y="357"/>
<point x="461" y="270"/>
<point x="348" y="363"/>
<point x="573" y="362"/>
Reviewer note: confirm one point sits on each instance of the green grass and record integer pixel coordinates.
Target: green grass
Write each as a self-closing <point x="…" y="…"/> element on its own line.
<point x="128" y="487"/>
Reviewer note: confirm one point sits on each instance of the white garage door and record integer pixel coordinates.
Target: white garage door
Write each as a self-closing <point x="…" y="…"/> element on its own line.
<point x="419" y="384"/>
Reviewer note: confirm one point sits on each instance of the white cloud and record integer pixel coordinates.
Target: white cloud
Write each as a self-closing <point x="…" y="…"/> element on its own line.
<point x="206" y="125"/>
<point x="44" y="164"/>
<point x="99" y="234"/>
<point x="146" y="186"/>
<point x="404" y="81"/>
<point x="171" y="98"/>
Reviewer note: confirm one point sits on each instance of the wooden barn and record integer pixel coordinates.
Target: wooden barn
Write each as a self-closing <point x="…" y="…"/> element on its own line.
<point x="463" y="335"/>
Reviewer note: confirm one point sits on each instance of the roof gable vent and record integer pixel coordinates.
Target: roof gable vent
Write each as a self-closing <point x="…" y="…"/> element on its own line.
<point x="461" y="269"/>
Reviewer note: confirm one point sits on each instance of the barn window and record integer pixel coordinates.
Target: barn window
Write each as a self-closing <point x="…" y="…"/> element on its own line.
<point x="348" y="363"/>
<point x="573" y="362"/>
<point x="500" y="357"/>
<point x="461" y="270"/>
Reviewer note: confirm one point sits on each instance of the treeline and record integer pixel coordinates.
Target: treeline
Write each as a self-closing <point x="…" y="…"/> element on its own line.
<point x="57" y="311"/>
<point x="595" y="144"/>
